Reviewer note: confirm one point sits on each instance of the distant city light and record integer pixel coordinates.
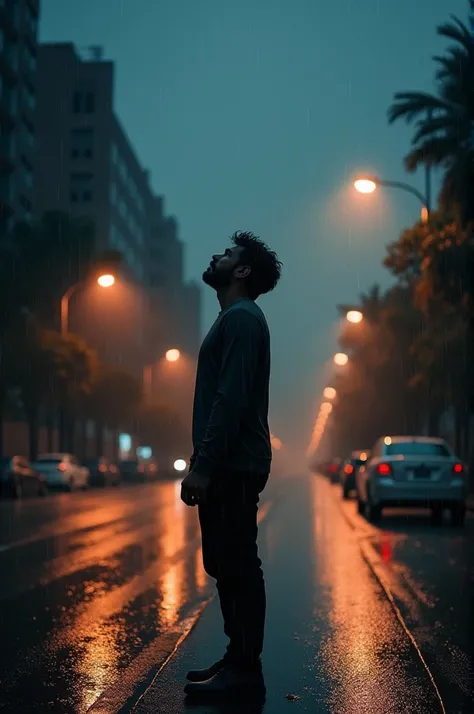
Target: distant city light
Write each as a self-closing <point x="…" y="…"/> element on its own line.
<point x="106" y="281"/>
<point x="144" y="452"/>
<point x="341" y="359"/>
<point x="330" y="393"/>
<point x="173" y="355"/>
<point x="179" y="465"/>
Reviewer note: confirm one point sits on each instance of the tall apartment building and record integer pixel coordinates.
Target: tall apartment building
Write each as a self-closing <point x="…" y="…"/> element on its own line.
<point x="85" y="165"/>
<point x="18" y="65"/>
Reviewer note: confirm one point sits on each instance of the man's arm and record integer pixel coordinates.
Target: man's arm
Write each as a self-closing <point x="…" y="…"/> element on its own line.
<point x="242" y="340"/>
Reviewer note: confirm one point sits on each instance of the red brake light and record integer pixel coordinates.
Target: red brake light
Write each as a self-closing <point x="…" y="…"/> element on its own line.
<point x="333" y="468"/>
<point x="384" y="470"/>
<point x="348" y="469"/>
<point x="102" y="468"/>
<point x="458" y="468"/>
<point x="153" y="467"/>
<point x="62" y="466"/>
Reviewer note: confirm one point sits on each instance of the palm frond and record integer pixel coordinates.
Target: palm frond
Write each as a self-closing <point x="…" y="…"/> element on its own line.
<point x="409" y="105"/>
<point x="434" y="151"/>
<point x="455" y="30"/>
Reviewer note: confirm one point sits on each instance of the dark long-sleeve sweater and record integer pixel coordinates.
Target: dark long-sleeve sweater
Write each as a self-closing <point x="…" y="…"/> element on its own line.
<point x="230" y="417"/>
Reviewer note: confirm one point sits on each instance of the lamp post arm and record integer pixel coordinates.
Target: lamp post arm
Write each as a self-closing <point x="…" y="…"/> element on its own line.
<point x="65" y="307"/>
<point x="409" y="189"/>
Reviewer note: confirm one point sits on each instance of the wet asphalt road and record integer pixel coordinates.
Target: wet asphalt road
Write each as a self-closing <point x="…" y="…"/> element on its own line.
<point x="91" y="583"/>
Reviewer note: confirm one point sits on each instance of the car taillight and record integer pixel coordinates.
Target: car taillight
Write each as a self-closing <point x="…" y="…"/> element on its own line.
<point x="384" y="470"/>
<point x="113" y="469"/>
<point x="348" y="469"/>
<point x="141" y="469"/>
<point x="62" y="466"/>
<point x="102" y="468"/>
<point x="333" y="468"/>
<point x="153" y="468"/>
<point x="458" y="469"/>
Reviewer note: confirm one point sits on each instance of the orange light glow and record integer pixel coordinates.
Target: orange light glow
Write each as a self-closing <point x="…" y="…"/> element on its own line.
<point x="106" y="281"/>
<point x="341" y="359"/>
<point x="365" y="185"/>
<point x="172" y="355"/>
<point x="330" y="393"/>
<point x="326" y="408"/>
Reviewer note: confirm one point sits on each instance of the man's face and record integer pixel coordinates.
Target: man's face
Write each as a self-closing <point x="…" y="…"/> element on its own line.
<point x="223" y="268"/>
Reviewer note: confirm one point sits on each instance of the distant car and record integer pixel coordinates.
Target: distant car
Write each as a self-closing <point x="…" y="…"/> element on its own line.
<point x="63" y="471"/>
<point x="138" y="470"/>
<point x="19" y="478"/>
<point x="102" y="472"/>
<point x="412" y="471"/>
<point x="349" y="470"/>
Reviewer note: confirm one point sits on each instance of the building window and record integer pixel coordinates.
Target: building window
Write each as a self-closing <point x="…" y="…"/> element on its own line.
<point x="89" y="103"/>
<point x="80" y="186"/>
<point x="82" y="143"/>
<point x="77" y="102"/>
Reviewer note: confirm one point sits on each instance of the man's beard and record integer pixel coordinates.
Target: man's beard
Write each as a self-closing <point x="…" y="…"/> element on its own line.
<point x="216" y="278"/>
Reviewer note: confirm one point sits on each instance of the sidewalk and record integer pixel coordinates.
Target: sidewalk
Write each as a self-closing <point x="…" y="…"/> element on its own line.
<point x="332" y="639"/>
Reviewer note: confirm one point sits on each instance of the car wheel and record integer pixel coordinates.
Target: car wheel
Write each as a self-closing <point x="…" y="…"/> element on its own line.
<point x="458" y="514"/>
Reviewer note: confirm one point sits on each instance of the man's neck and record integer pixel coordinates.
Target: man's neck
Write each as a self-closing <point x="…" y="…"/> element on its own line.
<point x="229" y="296"/>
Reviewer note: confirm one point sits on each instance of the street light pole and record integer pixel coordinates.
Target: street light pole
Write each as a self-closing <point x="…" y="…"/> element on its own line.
<point x="105" y="281"/>
<point x="65" y="308"/>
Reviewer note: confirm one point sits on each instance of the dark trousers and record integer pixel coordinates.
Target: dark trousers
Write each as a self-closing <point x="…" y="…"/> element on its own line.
<point x="229" y="545"/>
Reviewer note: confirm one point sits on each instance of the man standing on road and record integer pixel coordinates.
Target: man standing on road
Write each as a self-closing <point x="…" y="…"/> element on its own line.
<point x="232" y="455"/>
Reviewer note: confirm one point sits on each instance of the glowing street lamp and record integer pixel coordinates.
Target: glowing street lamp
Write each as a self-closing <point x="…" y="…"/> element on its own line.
<point x="172" y="355"/>
<point x="105" y="281"/>
<point x="326" y="408"/>
<point x="341" y="359"/>
<point x="180" y="465"/>
<point x="369" y="184"/>
<point x="354" y="316"/>
<point x="329" y="393"/>
<point x="365" y="185"/>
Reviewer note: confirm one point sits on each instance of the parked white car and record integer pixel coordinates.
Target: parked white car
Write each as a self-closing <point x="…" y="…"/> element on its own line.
<point x="63" y="471"/>
<point x="414" y="471"/>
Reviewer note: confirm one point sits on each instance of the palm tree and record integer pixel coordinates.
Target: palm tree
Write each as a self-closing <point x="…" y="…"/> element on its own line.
<point x="444" y="134"/>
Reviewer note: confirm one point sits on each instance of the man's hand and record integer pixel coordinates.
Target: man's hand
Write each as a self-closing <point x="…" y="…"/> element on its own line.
<point x="194" y="488"/>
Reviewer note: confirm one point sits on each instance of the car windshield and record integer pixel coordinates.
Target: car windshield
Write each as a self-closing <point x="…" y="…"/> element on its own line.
<point x="417" y="448"/>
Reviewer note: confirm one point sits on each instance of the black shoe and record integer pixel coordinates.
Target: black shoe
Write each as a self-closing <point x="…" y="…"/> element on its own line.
<point x="202" y="675"/>
<point x="227" y="682"/>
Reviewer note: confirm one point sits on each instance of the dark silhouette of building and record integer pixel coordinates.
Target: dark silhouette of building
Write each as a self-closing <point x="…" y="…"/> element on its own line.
<point x="85" y="165"/>
<point x="18" y="60"/>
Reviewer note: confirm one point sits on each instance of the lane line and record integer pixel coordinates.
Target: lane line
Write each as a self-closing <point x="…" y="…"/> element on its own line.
<point x="367" y="552"/>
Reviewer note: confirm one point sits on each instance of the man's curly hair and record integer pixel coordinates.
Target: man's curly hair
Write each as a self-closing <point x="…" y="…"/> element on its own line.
<point x="263" y="262"/>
